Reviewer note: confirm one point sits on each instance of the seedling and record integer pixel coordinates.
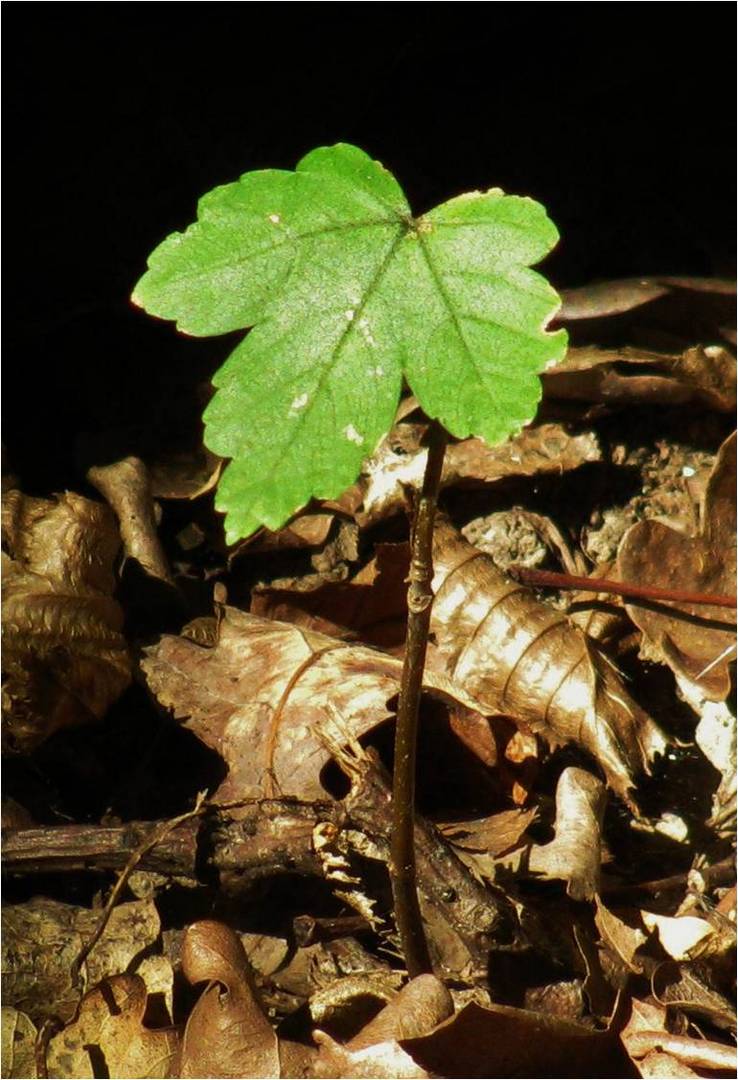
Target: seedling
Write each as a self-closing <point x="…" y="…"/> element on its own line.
<point x="347" y="294"/>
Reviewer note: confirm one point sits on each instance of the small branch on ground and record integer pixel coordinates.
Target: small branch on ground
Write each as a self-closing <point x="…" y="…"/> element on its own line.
<point x="548" y="579"/>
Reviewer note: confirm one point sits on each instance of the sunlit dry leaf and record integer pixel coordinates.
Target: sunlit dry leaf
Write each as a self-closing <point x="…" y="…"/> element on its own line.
<point x="621" y="939"/>
<point x="18" y="1045"/>
<point x="502" y="1041"/>
<point x="267" y="696"/>
<point x="516" y="656"/>
<point x="677" y="935"/>
<point x="65" y="660"/>
<point x="227" y="1033"/>
<point x="495" y="835"/>
<point x="574" y="853"/>
<point x="703" y="376"/>
<point x="42" y="937"/>
<point x="108" y="1034"/>
<point x="399" y="462"/>
<point x="697" y="643"/>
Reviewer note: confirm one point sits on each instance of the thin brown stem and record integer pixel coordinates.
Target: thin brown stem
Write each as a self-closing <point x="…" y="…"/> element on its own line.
<point x="548" y="579"/>
<point x="419" y="601"/>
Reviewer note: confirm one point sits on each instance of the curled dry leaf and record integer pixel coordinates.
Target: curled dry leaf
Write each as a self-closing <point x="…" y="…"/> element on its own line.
<point x="269" y="695"/>
<point x="702" y="375"/>
<point x="516" y="656"/>
<point x="108" y="1034"/>
<point x="687" y="987"/>
<point x="375" y="1052"/>
<point x="65" y="660"/>
<point x="698" y="642"/>
<point x="227" y="1033"/>
<point x="399" y="462"/>
<point x="574" y="853"/>
<point x="127" y="487"/>
<point x="42" y="938"/>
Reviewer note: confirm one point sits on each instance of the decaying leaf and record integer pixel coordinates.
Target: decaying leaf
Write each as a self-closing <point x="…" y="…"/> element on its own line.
<point x="687" y="986"/>
<point x="227" y="1033"/>
<point x="18" y="1044"/>
<point x="703" y="376"/>
<point x="269" y="694"/>
<point x="495" y="835"/>
<point x="574" y="853"/>
<point x="399" y="462"/>
<point x="42" y="938"/>
<point x="108" y="1034"/>
<point x="64" y="658"/>
<point x="697" y="643"/>
<point x="516" y="656"/>
<point x="499" y="1040"/>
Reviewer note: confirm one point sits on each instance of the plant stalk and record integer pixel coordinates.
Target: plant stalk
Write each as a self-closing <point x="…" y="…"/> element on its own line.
<point x="549" y="579"/>
<point x="419" y="601"/>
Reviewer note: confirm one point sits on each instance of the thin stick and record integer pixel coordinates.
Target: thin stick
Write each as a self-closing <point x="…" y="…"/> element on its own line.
<point x="156" y="836"/>
<point x="548" y="579"/>
<point x="419" y="600"/>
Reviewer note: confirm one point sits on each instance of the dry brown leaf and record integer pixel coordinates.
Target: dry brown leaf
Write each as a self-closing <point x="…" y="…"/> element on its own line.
<point x="42" y="938"/>
<point x="399" y="462"/>
<point x="574" y="855"/>
<point x="108" y="1034"/>
<point x="268" y="695"/>
<point x="702" y="375"/>
<point x="417" y="1009"/>
<point x="227" y="1034"/>
<point x="604" y="299"/>
<point x="620" y="939"/>
<point x="64" y="658"/>
<point x="372" y="606"/>
<point x="498" y="1040"/>
<point x="687" y="986"/>
<point x="516" y="656"/>
<point x="18" y="1045"/>
<point x="697" y="644"/>
<point x="496" y="835"/>
<point x="656" y="1052"/>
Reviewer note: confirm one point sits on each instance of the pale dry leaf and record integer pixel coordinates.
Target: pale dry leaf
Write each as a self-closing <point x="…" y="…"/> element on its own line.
<point x="227" y="1033"/>
<point x="108" y="1034"/>
<point x="42" y="938"/>
<point x="18" y="1045"/>
<point x="622" y="940"/>
<point x="702" y="375"/>
<point x="269" y="695"/>
<point x="574" y="855"/>
<point x="679" y="935"/>
<point x="65" y="660"/>
<point x="696" y="640"/>
<point x="516" y="656"/>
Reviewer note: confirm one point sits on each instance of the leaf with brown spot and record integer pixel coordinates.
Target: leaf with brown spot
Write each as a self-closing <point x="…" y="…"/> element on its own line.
<point x="698" y="643"/>
<point x="269" y="695"/>
<point x="228" y="1033"/>
<point x="516" y="656"/>
<point x="65" y="660"/>
<point x="108" y="1034"/>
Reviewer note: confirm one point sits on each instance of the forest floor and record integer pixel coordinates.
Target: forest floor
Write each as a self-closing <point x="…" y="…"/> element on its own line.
<point x="198" y="740"/>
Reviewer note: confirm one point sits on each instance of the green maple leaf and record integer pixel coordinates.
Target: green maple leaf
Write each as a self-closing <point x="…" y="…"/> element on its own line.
<point x="347" y="293"/>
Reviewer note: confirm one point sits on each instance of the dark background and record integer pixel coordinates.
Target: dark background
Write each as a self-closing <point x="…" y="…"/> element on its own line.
<point x="619" y="117"/>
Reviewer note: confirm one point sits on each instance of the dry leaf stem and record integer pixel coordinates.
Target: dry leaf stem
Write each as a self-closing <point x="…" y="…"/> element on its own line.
<point x="419" y="601"/>
<point x="549" y="579"/>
